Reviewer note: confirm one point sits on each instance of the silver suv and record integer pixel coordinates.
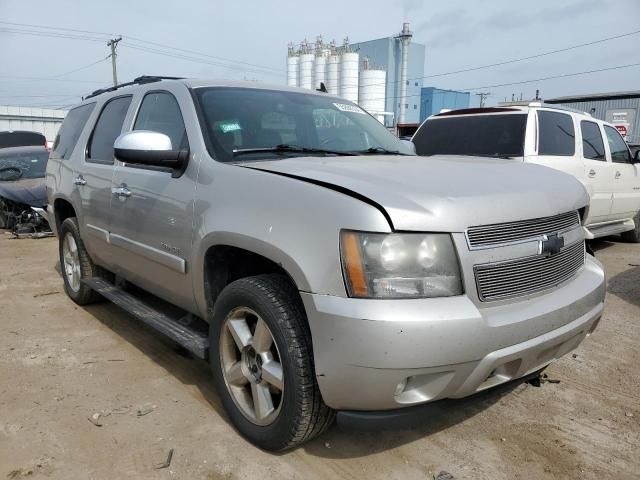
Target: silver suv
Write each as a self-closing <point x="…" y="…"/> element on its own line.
<point x="316" y="262"/>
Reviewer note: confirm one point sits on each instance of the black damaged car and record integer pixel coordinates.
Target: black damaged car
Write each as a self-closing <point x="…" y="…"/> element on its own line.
<point x="22" y="189"/>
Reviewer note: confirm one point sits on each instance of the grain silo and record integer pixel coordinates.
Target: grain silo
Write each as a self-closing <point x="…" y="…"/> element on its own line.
<point x="349" y="65"/>
<point x="371" y="95"/>
<point x="333" y="70"/>
<point x="292" y="67"/>
<point x="320" y="66"/>
<point x="305" y="72"/>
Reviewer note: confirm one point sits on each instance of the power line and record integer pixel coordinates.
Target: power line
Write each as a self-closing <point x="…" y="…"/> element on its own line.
<point x="49" y="79"/>
<point x="205" y="54"/>
<point x="46" y="27"/>
<point x="37" y="33"/>
<point x="515" y="60"/>
<point x="81" y="68"/>
<point x="530" y="57"/>
<point x="38" y="96"/>
<point x="193" y="59"/>
<point x="618" y="67"/>
<point x="141" y="40"/>
<point x="522" y="82"/>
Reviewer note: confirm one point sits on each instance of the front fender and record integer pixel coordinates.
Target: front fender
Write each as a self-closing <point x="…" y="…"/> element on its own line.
<point x="293" y="223"/>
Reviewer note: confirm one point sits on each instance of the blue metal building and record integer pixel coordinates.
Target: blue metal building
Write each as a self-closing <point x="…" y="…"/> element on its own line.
<point x="386" y="53"/>
<point x="433" y="99"/>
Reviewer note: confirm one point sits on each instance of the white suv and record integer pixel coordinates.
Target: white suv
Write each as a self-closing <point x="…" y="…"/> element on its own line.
<point x="576" y="143"/>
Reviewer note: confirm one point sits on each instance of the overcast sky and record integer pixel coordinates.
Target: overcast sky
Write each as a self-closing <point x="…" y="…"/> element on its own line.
<point x="457" y="34"/>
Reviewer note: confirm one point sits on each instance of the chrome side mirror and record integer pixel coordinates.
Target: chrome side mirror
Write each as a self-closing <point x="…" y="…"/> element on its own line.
<point x="145" y="147"/>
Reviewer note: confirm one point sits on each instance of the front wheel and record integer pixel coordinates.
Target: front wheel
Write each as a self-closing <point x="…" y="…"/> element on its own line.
<point x="633" y="236"/>
<point x="262" y="362"/>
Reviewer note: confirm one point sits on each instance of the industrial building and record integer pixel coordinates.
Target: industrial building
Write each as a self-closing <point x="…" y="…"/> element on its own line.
<point x="384" y="76"/>
<point x="44" y="120"/>
<point x="403" y="60"/>
<point x="433" y="100"/>
<point x="619" y="108"/>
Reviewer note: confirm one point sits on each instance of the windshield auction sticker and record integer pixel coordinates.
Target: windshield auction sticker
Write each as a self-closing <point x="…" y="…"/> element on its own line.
<point x="343" y="107"/>
<point x="227" y="127"/>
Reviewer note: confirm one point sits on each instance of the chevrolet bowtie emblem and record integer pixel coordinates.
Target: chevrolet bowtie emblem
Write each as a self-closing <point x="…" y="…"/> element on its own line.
<point x="551" y="245"/>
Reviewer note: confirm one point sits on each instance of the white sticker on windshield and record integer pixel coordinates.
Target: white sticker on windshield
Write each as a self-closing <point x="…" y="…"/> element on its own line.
<point x="343" y="107"/>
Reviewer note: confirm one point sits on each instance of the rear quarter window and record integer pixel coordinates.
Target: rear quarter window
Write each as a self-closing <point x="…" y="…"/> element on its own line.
<point x="70" y="131"/>
<point x="556" y="134"/>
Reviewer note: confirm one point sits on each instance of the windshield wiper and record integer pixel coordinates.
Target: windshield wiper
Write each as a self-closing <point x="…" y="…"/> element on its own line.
<point x="487" y="155"/>
<point x="380" y="151"/>
<point x="284" y="148"/>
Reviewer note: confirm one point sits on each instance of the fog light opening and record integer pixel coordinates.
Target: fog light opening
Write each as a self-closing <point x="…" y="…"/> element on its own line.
<point x="401" y="386"/>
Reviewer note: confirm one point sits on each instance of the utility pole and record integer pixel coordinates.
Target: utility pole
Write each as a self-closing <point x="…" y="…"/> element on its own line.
<point x="113" y="43"/>
<point x="482" y="96"/>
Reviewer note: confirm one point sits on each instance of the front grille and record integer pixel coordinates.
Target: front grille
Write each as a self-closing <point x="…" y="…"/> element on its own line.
<point x="488" y="235"/>
<point x="497" y="281"/>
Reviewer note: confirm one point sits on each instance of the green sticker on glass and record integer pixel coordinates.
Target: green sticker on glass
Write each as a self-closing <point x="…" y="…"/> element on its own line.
<point x="227" y="127"/>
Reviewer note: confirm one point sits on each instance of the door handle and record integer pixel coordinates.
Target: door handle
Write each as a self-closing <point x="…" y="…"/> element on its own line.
<point x="79" y="180"/>
<point x="592" y="173"/>
<point x="618" y="174"/>
<point x="122" y="192"/>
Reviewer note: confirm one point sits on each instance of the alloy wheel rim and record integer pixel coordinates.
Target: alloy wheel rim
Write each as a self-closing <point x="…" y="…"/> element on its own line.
<point x="251" y="366"/>
<point x="71" y="260"/>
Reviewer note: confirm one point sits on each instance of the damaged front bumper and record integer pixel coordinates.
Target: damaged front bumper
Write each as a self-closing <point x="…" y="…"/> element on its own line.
<point x="388" y="354"/>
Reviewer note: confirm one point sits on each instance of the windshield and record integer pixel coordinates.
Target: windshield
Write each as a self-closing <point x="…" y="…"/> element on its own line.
<point x="481" y="135"/>
<point x="31" y="164"/>
<point x="247" y="124"/>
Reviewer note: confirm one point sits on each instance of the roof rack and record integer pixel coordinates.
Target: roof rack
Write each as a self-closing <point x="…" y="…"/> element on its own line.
<point x="136" y="81"/>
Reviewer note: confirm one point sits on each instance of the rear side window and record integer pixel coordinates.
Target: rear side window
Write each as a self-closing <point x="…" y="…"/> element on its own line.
<point x="70" y="131"/>
<point x="160" y="113"/>
<point x="619" y="150"/>
<point x="592" y="144"/>
<point x="557" y="136"/>
<point x="481" y="135"/>
<point x="107" y="129"/>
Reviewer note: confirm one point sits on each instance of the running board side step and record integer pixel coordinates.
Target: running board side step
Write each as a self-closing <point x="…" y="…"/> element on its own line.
<point x="611" y="228"/>
<point x="194" y="340"/>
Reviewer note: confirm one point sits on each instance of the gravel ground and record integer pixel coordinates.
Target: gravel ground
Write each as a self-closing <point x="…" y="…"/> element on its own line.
<point x="60" y="365"/>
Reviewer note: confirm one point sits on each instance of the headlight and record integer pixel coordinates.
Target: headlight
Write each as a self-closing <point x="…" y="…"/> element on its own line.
<point x="400" y="265"/>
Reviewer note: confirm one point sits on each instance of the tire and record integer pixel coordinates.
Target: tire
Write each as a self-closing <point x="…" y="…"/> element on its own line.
<point x="633" y="236"/>
<point x="299" y="413"/>
<point x="79" y="293"/>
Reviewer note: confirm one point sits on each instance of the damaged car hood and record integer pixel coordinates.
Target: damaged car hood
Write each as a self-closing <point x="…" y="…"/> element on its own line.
<point x="441" y="193"/>
<point x="29" y="191"/>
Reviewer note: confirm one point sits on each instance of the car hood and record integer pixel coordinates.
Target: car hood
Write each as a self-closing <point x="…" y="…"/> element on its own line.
<point x="30" y="191"/>
<point x="442" y="193"/>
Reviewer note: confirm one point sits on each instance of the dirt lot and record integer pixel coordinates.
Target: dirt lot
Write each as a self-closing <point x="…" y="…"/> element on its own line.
<point x="60" y="364"/>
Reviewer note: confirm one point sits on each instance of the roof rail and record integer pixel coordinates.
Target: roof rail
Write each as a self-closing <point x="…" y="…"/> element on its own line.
<point x="555" y="106"/>
<point x="136" y="81"/>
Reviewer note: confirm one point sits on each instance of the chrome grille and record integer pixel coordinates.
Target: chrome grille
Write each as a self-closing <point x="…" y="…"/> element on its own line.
<point x="497" y="281"/>
<point x="488" y="235"/>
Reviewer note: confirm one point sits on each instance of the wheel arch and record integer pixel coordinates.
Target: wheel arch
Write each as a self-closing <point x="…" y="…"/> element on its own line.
<point x="229" y="256"/>
<point x="62" y="209"/>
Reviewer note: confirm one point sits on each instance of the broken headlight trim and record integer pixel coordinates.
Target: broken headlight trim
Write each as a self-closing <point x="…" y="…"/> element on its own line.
<point x="399" y="265"/>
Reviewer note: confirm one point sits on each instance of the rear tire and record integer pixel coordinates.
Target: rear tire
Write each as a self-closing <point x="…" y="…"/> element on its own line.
<point x="267" y="312"/>
<point x="633" y="236"/>
<point x="76" y="264"/>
